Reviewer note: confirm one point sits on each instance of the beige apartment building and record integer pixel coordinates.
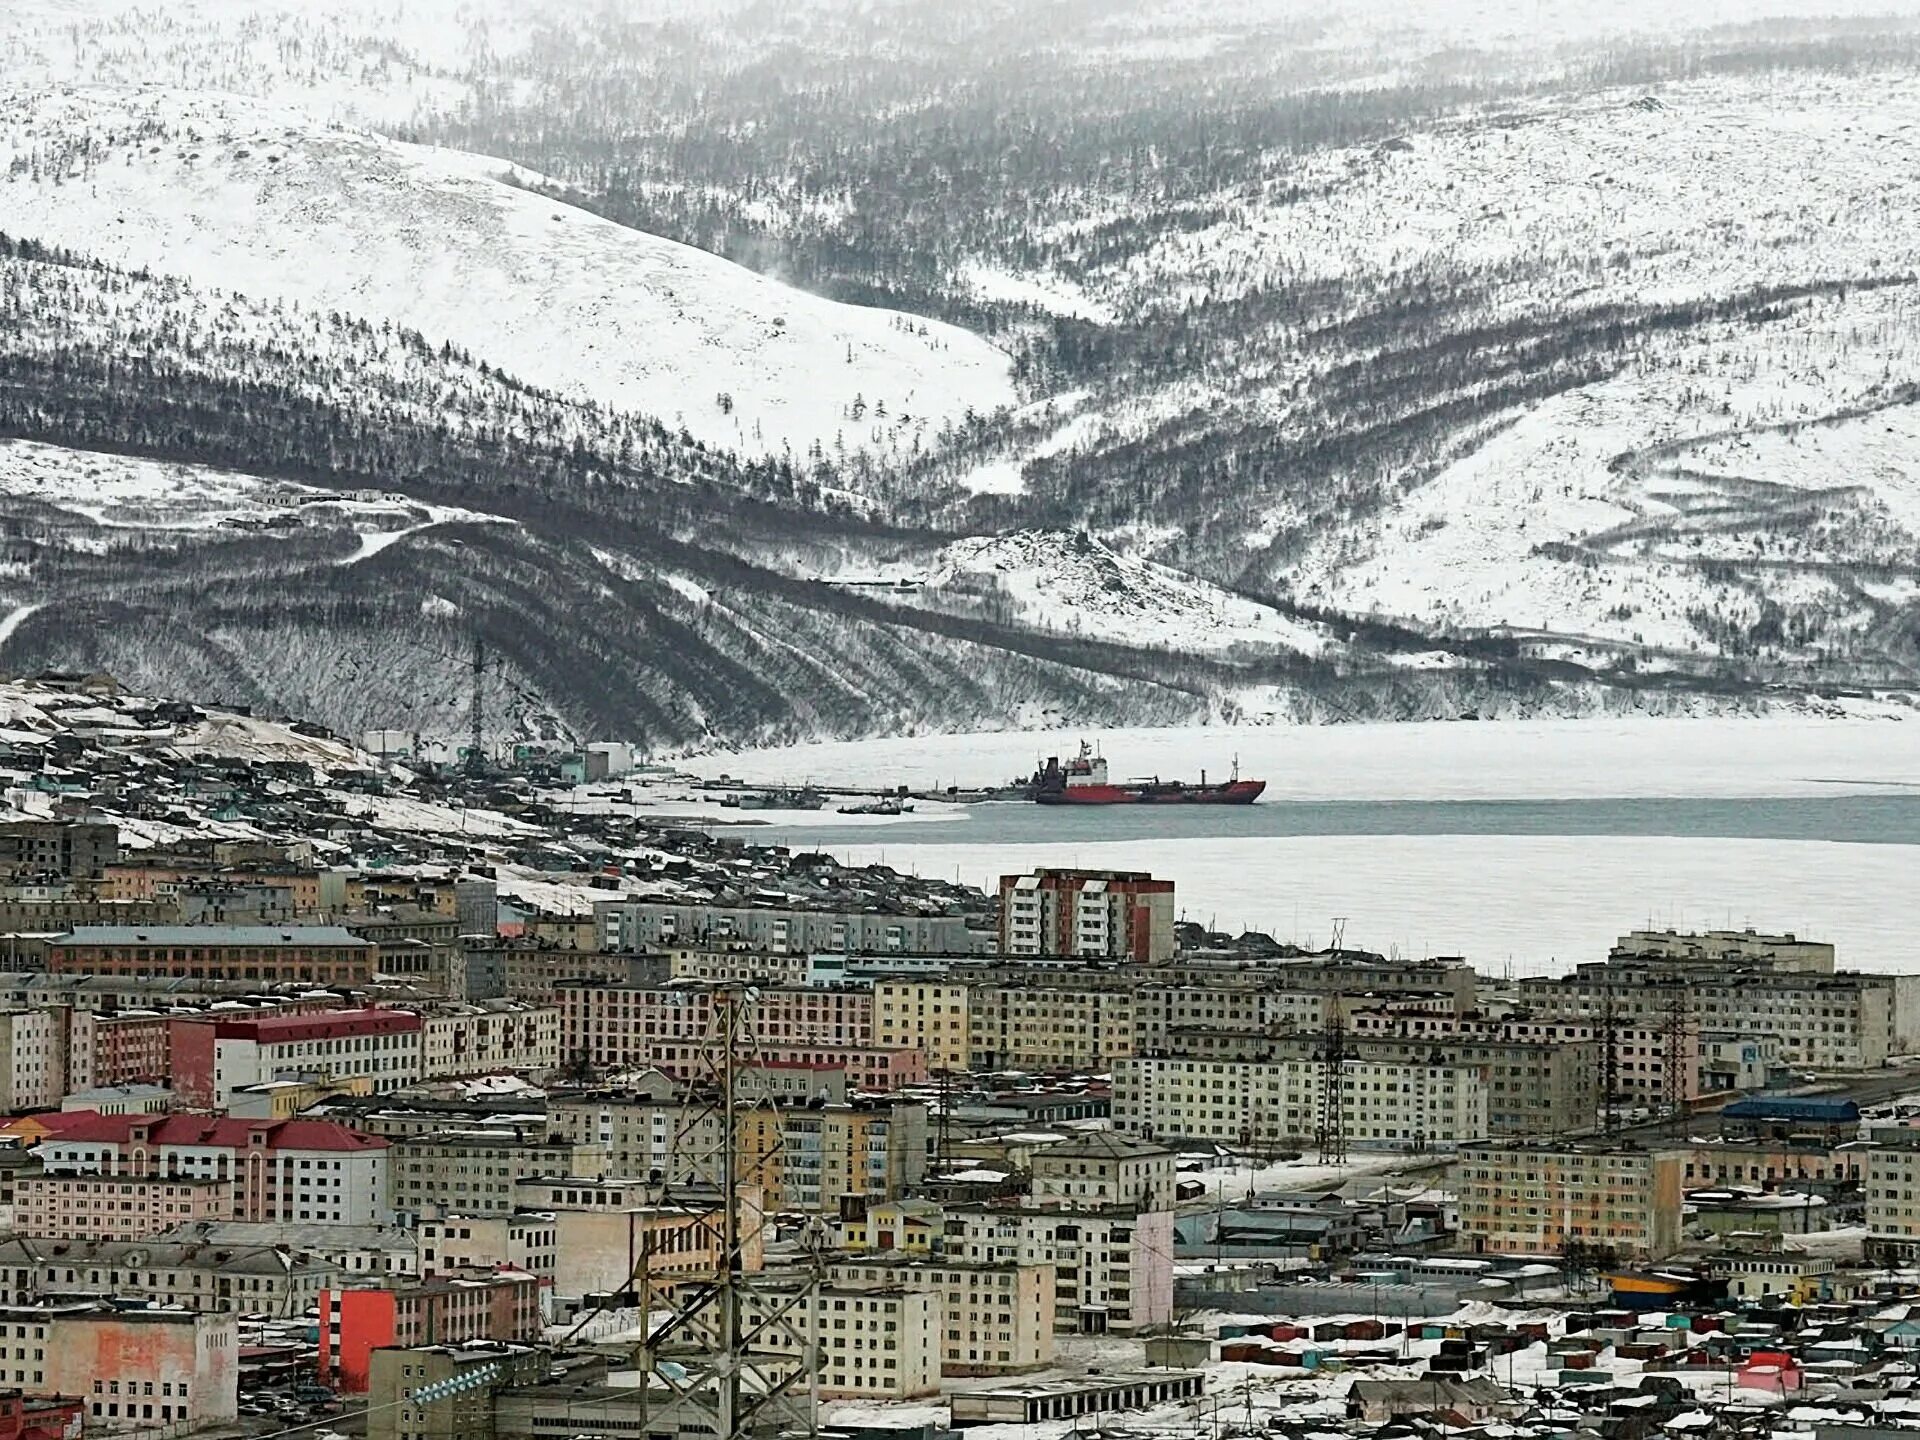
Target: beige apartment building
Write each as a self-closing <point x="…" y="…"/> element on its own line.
<point x="1049" y="1023"/>
<point x="927" y="1014"/>
<point x="1533" y="1199"/>
<point x="477" y="1172"/>
<point x="995" y="1319"/>
<point x="1163" y="1015"/>
<point x="1278" y="1103"/>
<point x="1842" y="1022"/>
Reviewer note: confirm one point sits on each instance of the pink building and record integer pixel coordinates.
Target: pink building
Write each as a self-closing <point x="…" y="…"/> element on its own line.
<point x="623" y="1026"/>
<point x="121" y="1207"/>
<point x="878" y="1071"/>
<point x="285" y="1170"/>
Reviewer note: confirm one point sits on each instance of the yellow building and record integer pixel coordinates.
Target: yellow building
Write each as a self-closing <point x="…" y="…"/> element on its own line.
<point x="924" y="1014"/>
<point x="898" y="1227"/>
<point x="1520" y="1199"/>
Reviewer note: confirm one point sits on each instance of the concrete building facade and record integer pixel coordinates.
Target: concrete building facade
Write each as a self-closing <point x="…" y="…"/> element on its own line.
<point x="1518" y="1199"/>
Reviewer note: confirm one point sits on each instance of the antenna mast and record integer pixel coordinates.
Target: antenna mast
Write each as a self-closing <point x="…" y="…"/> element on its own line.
<point x="1333" y="1111"/>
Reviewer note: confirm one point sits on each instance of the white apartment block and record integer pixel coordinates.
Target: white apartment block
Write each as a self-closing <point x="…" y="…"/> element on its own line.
<point x="1113" y="1270"/>
<point x="1386" y="1105"/>
<point x="1893" y="1204"/>
<point x="33" y="1059"/>
<point x="496" y="1037"/>
<point x="995" y="1319"/>
<point x="879" y="1343"/>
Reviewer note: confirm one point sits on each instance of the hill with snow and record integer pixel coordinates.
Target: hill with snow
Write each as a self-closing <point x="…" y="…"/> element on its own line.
<point x="254" y="197"/>
<point x="1142" y="360"/>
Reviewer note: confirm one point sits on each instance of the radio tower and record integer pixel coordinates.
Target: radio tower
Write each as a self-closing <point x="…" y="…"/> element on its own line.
<point x="1333" y="1108"/>
<point x="732" y="1355"/>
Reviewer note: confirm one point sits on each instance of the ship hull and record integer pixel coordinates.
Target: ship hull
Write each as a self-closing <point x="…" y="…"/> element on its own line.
<point x="1237" y="792"/>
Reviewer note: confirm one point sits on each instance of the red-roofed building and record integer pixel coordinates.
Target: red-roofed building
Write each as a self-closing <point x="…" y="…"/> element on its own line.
<point x="282" y="1170"/>
<point x="214" y="1057"/>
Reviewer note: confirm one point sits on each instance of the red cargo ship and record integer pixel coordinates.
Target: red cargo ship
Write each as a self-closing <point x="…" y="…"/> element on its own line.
<point x="1083" y="781"/>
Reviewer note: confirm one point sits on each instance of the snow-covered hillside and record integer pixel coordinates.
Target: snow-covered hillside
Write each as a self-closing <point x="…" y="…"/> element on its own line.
<point x="1075" y="585"/>
<point x="253" y="197"/>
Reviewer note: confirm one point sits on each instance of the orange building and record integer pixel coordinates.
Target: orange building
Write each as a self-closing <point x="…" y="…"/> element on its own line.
<point x="449" y="1309"/>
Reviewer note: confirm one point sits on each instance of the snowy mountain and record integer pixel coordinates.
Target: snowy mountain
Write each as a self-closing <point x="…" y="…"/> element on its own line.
<point x="1140" y="361"/>
<point x="253" y="197"/>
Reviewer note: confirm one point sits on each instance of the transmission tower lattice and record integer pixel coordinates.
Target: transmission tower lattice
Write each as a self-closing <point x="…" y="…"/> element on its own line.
<point x="1609" y="1037"/>
<point x="728" y="1352"/>
<point x="1334" y="1055"/>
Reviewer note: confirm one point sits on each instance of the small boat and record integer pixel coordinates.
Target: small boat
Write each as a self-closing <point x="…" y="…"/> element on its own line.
<point x="878" y="807"/>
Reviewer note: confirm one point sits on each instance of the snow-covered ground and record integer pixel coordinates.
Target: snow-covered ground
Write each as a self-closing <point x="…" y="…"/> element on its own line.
<point x="1075" y="585"/>
<point x="1459" y="760"/>
<point x="1535" y="903"/>
<point x="256" y="197"/>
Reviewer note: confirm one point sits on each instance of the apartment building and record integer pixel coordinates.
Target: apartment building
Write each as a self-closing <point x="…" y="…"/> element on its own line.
<point x="73" y="849"/>
<point x="1640" y="1058"/>
<point x="214" y="1056"/>
<point x="281" y="1170"/>
<point x="478" y="1172"/>
<point x="1089" y="914"/>
<point x="870" y="1068"/>
<point x="33" y="1059"/>
<point x="525" y="1240"/>
<point x="994" y="1319"/>
<point x="352" y="1250"/>
<point x="526" y="970"/>
<point x="1054" y="1022"/>
<point x="804" y="1156"/>
<point x="1163" y="1014"/>
<point x="1893" y="1202"/>
<point x="138" y="1371"/>
<point x="609" y="1233"/>
<point x="812" y="1157"/>
<point x="1534" y="1199"/>
<point x="125" y="1207"/>
<point x="1112" y="1268"/>
<point x="1446" y="983"/>
<point x="1777" y="952"/>
<point x="466" y="1378"/>
<point x="250" y="1280"/>
<point x="449" y="1309"/>
<point x="1386" y="1104"/>
<point x="875" y="1342"/>
<point x="1770" y="1164"/>
<point x="1842" y="1022"/>
<point x="499" y="1037"/>
<point x="1103" y="1170"/>
<point x="624" y="1026"/>
<point x="928" y="1013"/>
<point x="308" y="955"/>
<point x="634" y="925"/>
